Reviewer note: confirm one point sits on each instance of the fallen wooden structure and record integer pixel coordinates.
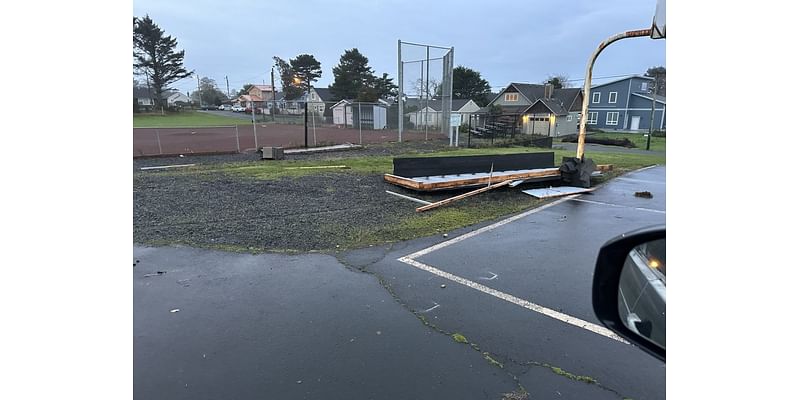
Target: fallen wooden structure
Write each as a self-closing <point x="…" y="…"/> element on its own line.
<point x="442" y="173"/>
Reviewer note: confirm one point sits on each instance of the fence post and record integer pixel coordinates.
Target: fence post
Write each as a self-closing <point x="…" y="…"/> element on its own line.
<point x="360" y="140"/>
<point x="238" y="148"/>
<point x="158" y="139"/>
<point x="469" y="132"/>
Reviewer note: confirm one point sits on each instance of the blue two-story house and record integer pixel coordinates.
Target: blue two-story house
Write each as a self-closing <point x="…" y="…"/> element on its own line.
<point x="625" y="104"/>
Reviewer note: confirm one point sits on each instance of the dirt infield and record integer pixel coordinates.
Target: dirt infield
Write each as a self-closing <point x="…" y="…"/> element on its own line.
<point x="173" y="141"/>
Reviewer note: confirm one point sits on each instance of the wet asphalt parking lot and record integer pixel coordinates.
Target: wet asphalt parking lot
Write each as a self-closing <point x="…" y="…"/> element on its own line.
<point x="377" y="323"/>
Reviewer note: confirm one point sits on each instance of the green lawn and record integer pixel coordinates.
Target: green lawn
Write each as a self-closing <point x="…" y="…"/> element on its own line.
<point x="408" y="224"/>
<point x="183" y="119"/>
<point x="656" y="143"/>
<point x="383" y="164"/>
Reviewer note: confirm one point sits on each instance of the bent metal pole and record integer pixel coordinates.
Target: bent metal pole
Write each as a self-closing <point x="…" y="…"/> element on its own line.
<point x="587" y="83"/>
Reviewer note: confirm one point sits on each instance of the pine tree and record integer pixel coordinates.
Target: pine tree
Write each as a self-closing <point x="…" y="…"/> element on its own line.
<point x="155" y="56"/>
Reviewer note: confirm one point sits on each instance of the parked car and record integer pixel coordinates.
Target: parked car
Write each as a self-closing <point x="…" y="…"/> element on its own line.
<point x="237" y="109"/>
<point x="221" y="107"/>
<point x="250" y="111"/>
<point x="226" y="107"/>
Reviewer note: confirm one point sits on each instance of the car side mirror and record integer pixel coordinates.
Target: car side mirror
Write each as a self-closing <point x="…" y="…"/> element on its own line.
<point x="629" y="291"/>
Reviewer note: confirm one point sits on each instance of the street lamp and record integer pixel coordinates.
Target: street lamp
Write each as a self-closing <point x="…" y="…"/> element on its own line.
<point x="298" y="81"/>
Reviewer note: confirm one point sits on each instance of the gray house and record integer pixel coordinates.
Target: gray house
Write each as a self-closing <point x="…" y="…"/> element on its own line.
<point x="625" y="104"/>
<point x="540" y="109"/>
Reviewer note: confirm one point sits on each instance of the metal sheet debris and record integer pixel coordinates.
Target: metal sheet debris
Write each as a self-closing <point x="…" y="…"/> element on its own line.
<point x="545" y="193"/>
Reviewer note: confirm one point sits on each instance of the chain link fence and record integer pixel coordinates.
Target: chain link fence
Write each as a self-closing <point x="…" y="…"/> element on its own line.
<point x="326" y="123"/>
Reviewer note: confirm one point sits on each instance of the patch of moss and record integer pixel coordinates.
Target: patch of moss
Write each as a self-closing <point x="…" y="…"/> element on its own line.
<point x="459" y="338"/>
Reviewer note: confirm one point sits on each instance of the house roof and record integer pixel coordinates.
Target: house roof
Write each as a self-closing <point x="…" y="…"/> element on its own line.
<point x="142" y="93"/>
<point x="555" y="106"/>
<point x="436" y="104"/>
<point x="659" y="99"/>
<point x="623" y="79"/>
<point x="324" y="93"/>
<point x="560" y="101"/>
<point x="264" y="88"/>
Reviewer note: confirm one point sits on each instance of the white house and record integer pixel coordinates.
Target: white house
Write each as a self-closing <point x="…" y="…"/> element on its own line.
<point x="176" y="99"/>
<point x="433" y="111"/>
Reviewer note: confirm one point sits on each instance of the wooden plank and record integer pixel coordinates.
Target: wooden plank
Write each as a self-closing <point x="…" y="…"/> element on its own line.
<point x="167" y="166"/>
<point x="605" y="167"/>
<point x="321" y="167"/>
<point x="462" y="196"/>
<point x="402" y="181"/>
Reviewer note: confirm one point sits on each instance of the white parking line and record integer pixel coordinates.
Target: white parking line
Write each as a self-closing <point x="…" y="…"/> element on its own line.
<point x="618" y="205"/>
<point x="486" y="228"/>
<point x="411" y="260"/>
<point x="515" y="300"/>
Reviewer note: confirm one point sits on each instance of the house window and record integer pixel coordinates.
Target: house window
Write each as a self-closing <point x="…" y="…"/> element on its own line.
<point x="595" y="97"/>
<point x="612" y="97"/>
<point x="569" y="118"/>
<point x="612" y="118"/>
<point x="644" y="86"/>
<point x="592" y="118"/>
<point x="512" y="97"/>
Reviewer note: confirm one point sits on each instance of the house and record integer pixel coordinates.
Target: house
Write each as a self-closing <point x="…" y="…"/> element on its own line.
<point x="364" y="115"/>
<point x="176" y="99"/>
<point x="258" y="96"/>
<point x="539" y="109"/>
<point x="317" y="99"/>
<point x="143" y="97"/>
<point x="625" y="104"/>
<point x="431" y="115"/>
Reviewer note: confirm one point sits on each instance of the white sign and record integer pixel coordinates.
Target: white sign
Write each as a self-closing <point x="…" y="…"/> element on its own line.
<point x="455" y="119"/>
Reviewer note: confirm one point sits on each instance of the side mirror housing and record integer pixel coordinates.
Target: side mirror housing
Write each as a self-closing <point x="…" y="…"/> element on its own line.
<point x="629" y="288"/>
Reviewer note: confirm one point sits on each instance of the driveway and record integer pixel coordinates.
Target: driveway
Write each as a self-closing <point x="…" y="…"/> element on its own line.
<point x="381" y="322"/>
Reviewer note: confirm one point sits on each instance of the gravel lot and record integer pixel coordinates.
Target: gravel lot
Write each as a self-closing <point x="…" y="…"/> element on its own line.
<point x="313" y="212"/>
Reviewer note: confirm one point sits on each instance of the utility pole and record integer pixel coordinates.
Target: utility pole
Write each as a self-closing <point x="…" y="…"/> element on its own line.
<point x="199" y="96"/>
<point x="653" y="109"/>
<point x="308" y="94"/>
<point x="228" y="87"/>
<point x="272" y="80"/>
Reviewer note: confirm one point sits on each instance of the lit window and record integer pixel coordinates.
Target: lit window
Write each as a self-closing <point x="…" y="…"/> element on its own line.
<point x="612" y="97"/>
<point x="592" y="118"/>
<point x="596" y="97"/>
<point x="644" y="86"/>
<point x="512" y="97"/>
<point x="612" y="118"/>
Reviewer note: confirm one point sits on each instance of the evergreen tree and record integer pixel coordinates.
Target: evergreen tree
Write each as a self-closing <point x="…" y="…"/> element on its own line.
<point x="351" y="75"/>
<point x="155" y="56"/>
<point x="468" y="84"/>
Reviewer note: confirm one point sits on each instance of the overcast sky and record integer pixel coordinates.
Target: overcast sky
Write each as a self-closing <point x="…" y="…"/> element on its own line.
<point x="506" y="41"/>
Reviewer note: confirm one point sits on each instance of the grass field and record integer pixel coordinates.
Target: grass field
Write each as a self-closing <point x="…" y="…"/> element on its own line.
<point x="383" y="164"/>
<point x="656" y="143"/>
<point x="401" y="223"/>
<point x="183" y="119"/>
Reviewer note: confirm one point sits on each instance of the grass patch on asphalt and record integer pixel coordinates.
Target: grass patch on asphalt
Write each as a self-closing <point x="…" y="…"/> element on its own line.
<point x="459" y="338"/>
<point x="184" y="119"/>
<point x="579" y="378"/>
